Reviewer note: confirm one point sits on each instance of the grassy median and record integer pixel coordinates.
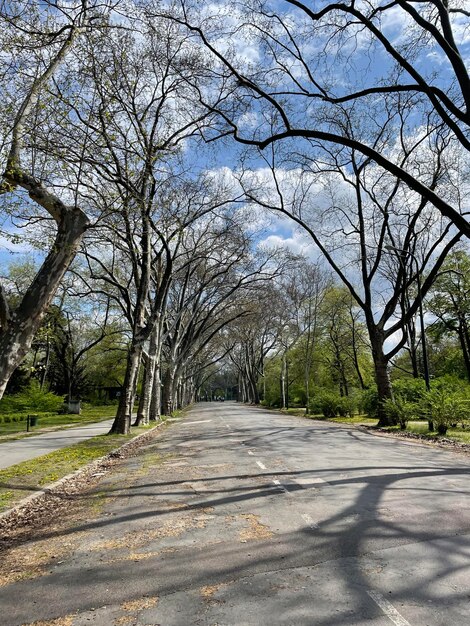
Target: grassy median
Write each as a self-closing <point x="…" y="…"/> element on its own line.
<point x="18" y="481"/>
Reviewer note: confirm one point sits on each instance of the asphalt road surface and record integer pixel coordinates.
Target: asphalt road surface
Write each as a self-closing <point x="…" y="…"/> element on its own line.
<point x="13" y="452"/>
<point x="239" y="516"/>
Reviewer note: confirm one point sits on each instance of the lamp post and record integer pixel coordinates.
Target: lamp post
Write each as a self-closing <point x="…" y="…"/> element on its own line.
<point x="402" y="253"/>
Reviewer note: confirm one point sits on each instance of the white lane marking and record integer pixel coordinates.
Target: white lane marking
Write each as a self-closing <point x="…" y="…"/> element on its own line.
<point x="261" y="465"/>
<point x="281" y="486"/>
<point x="388" y="609"/>
<point x="251" y="453"/>
<point x="311" y="524"/>
<point x="199" y="422"/>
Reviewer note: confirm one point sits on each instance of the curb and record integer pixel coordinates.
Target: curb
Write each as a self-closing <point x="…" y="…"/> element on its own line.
<point x="81" y="472"/>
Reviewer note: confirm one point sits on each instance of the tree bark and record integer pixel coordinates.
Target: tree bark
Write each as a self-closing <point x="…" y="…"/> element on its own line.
<point x="122" y="421"/>
<point x="16" y="337"/>
<point x="382" y="379"/>
<point x="156" y="400"/>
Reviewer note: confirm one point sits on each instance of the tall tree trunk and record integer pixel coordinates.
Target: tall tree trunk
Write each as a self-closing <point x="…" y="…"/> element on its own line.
<point x="412" y="347"/>
<point x="168" y="390"/>
<point x="18" y="330"/>
<point x="142" y="418"/>
<point x="382" y="379"/>
<point x="156" y="398"/>
<point x="283" y="382"/>
<point x="154" y="348"/>
<point x="464" y="337"/>
<point x="122" y="421"/>
<point x="46" y="363"/>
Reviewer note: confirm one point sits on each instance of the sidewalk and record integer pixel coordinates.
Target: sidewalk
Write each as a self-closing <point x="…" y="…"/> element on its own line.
<point x="28" y="448"/>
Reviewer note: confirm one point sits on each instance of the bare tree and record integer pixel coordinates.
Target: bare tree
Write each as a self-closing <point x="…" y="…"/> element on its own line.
<point x="370" y="230"/>
<point x="215" y="288"/>
<point x="361" y="66"/>
<point x="35" y="57"/>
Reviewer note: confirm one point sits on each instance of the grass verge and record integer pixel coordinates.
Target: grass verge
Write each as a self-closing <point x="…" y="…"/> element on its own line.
<point x="53" y="421"/>
<point x="421" y="428"/>
<point x="418" y="427"/>
<point x="19" y="481"/>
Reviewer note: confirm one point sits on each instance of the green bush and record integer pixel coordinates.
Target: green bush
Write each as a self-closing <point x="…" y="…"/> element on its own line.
<point x="331" y="404"/>
<point x="32" y="399"/>
<point x="409" y="389"/>
<point x="370" y="402"/>
<point x="445" y="408"/>
<point x="346" y="406"/>
<point x="315" y="406"/>
<point x="400" y="410"/>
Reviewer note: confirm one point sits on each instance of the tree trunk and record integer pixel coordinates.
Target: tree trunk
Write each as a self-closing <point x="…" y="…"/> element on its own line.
<point x="122" y="421"/>
<point x="142" y="418"/>
<point x="384" y="388"/>
<point x="143" y="412"/>
<point x="18" y="333"/>
<point x="464" y="338"/>
<point x="382" y="377"/>
<point x="156" y="400"/>
<point x="46" y="364"/>
<point x="168" y="390"/>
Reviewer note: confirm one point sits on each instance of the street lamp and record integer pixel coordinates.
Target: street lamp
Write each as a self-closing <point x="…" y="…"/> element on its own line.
<point x="402" y="253"/>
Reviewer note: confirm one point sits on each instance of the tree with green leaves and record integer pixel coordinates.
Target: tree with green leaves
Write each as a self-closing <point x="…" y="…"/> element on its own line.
<point x="449" y="301"/>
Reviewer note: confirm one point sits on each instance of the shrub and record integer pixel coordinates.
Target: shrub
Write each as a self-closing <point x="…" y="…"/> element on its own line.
<point x="346" y="406"/>
<point x="370" y="402"/>
<point x="400" y="410"/>
<point x="445" y="408"/>
<point x="315" y="406"/>
<point x="329" y="404"/>
<point x="409" y="389"/>
<point x="32" y="399"/>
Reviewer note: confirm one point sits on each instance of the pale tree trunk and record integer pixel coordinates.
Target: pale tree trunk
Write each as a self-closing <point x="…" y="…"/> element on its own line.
<point x="283" y="382"/>
<point x="156" y="399"/>
<point x="143" y="413"/>
<point x="122" y="421"/>
<point x="46" y="363"/>
<point x="307" y="390"/>
<point x="19" y="328"/>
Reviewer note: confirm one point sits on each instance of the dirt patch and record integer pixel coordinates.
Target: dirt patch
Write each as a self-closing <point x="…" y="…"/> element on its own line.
<point x="256" y="530"/>
<point x="32" y="560"/>
<point x="208" y="591"/>
<point x="125" y="620"/>
<point x="138" y="538"/>
<point x="66" y="620"/>
<point x="134" y="606"/>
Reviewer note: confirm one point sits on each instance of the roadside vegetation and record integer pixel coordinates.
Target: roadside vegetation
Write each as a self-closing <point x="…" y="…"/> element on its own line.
<point x="19" y="481"/>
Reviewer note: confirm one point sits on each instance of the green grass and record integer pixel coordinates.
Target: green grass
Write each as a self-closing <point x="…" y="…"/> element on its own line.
<point x="298" y="411"/>
<point x="47" y="421"/>
<point x="18" y="481"/>
<point x="356" y="419"/>
<point x="421" y="428"/>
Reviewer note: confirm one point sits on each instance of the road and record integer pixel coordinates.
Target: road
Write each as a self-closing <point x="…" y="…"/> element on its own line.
<point x="13" y="452"/>
<point x="240" y="516"/>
